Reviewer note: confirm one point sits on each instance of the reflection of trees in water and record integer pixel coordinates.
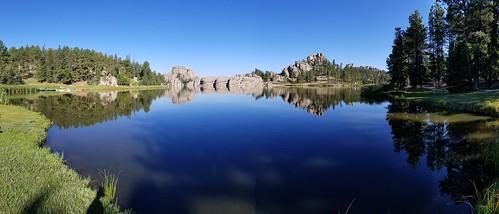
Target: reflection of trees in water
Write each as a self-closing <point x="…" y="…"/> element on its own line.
<point x="446" y="145"/>
<point x="76" y="110"/>
<point x="315" y="100"/>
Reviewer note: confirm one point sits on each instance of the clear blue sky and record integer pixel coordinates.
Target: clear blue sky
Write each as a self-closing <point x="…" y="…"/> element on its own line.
<point x="214" y="37"/>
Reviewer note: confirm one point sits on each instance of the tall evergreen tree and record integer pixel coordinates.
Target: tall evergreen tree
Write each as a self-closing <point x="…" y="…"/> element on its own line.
<point x="7" y="73"/>
<point x="437" y="39"/>
<point x="477" y="20"/>
<point x="4" y="55"/>
<point x="473" y="31"/>
<point x="494" y="44"/>
<point x="396" y="62"/>
<point x="415" y="43"/>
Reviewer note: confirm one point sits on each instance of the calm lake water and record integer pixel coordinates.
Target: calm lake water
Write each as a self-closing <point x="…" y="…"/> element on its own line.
<point x="283" y="150"/>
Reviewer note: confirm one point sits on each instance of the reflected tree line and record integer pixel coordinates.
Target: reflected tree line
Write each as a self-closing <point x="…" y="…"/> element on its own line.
<point x="317" y="100"/>
<point x="465" y="148"/>
<point x="86" y="109"/>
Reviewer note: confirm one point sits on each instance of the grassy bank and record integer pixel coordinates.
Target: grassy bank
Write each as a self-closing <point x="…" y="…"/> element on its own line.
<point x="33" y="180"/>
<point x="484" y="103"/>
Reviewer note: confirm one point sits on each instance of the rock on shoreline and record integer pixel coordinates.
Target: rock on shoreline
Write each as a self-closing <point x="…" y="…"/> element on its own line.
<point x="181" y="77"/>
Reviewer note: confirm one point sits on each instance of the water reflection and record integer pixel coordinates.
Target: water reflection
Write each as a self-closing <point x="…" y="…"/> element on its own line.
<point x="314" y="100"/>
<point x="455" y="142"/>
<point x="232" y="156"/>
<point x="86" y="109"/>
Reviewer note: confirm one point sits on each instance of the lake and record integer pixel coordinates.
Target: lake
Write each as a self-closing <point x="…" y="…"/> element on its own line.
<point x="280" y="150"/>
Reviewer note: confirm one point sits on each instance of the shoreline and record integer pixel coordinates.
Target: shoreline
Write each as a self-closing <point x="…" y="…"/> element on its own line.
<point x="35" y="180"/>
<point x="479" y="102"/>
<point x="57" y="87"/>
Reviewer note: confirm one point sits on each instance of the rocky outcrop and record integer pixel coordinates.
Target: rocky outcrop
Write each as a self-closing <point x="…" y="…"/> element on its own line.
<point x="302" y="66"/>
<point x="184" y="84"/>
<point x="252" y="84"/>
<point x="233" y="84"/>
<point x="181" y="77"/>
<point x="108" y="80"/>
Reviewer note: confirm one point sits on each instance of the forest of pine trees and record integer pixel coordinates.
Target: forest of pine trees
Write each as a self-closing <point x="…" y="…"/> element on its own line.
<point x="70" y="65"/>
<point x="332" y="71"/>
<point x="458" y="48"/>
<point x="345" y="74"/>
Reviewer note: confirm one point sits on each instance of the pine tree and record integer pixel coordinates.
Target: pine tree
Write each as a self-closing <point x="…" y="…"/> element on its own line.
<point x="396" y="62"/>
<point x="415" y="43"/>
<point x="437" y="39"/>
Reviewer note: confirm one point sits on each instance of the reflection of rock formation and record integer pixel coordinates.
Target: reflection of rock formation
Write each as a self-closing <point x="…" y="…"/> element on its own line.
<point x="181" y="96"/>
<point x="107" y="97"/>
<point x="184" y="84"/>
<point x="315" y="100"/>
<point x="236" y="85"/>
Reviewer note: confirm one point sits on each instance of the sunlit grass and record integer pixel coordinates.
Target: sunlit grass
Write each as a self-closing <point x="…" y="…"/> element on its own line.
<point x="32" y="179"/>
<point x="486" y="103"/>
<point x="109" y="184"/>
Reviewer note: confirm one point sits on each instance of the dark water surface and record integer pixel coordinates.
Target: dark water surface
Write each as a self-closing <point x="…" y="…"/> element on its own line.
<point x="283" y="150"/>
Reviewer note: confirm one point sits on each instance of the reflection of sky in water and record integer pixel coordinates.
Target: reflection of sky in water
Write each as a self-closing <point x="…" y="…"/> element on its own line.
<point x="234" y="154"/>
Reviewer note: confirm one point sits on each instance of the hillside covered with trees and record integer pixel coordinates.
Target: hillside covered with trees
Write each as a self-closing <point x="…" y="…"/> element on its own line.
<point x="318" y="68"/>
<point x="458" y="48"/>
<point x="71" y="65"/>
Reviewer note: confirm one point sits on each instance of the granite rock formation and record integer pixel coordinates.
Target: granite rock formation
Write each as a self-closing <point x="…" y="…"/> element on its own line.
<point x="302" y="66"/>
<point x="181" y="77"/>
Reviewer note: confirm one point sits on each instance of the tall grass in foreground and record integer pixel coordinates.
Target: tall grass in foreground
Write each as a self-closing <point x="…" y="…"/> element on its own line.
<point x="109" y="184"/>
<point x="349" y="207"/>
<point x="109" y="187"/>
<point x="486" y="201"/>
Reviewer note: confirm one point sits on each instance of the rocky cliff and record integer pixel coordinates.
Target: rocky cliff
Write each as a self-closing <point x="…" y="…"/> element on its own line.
<point x="181" y="77"/>
<point x="292" y="71"/>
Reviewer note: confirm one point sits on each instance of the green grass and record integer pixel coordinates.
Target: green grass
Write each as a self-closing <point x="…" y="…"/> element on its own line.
<point x="33" y="180"/>
<point x="109" y="184"/>
<point x="484" y="103"/>
<point x="487" y="201"/>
